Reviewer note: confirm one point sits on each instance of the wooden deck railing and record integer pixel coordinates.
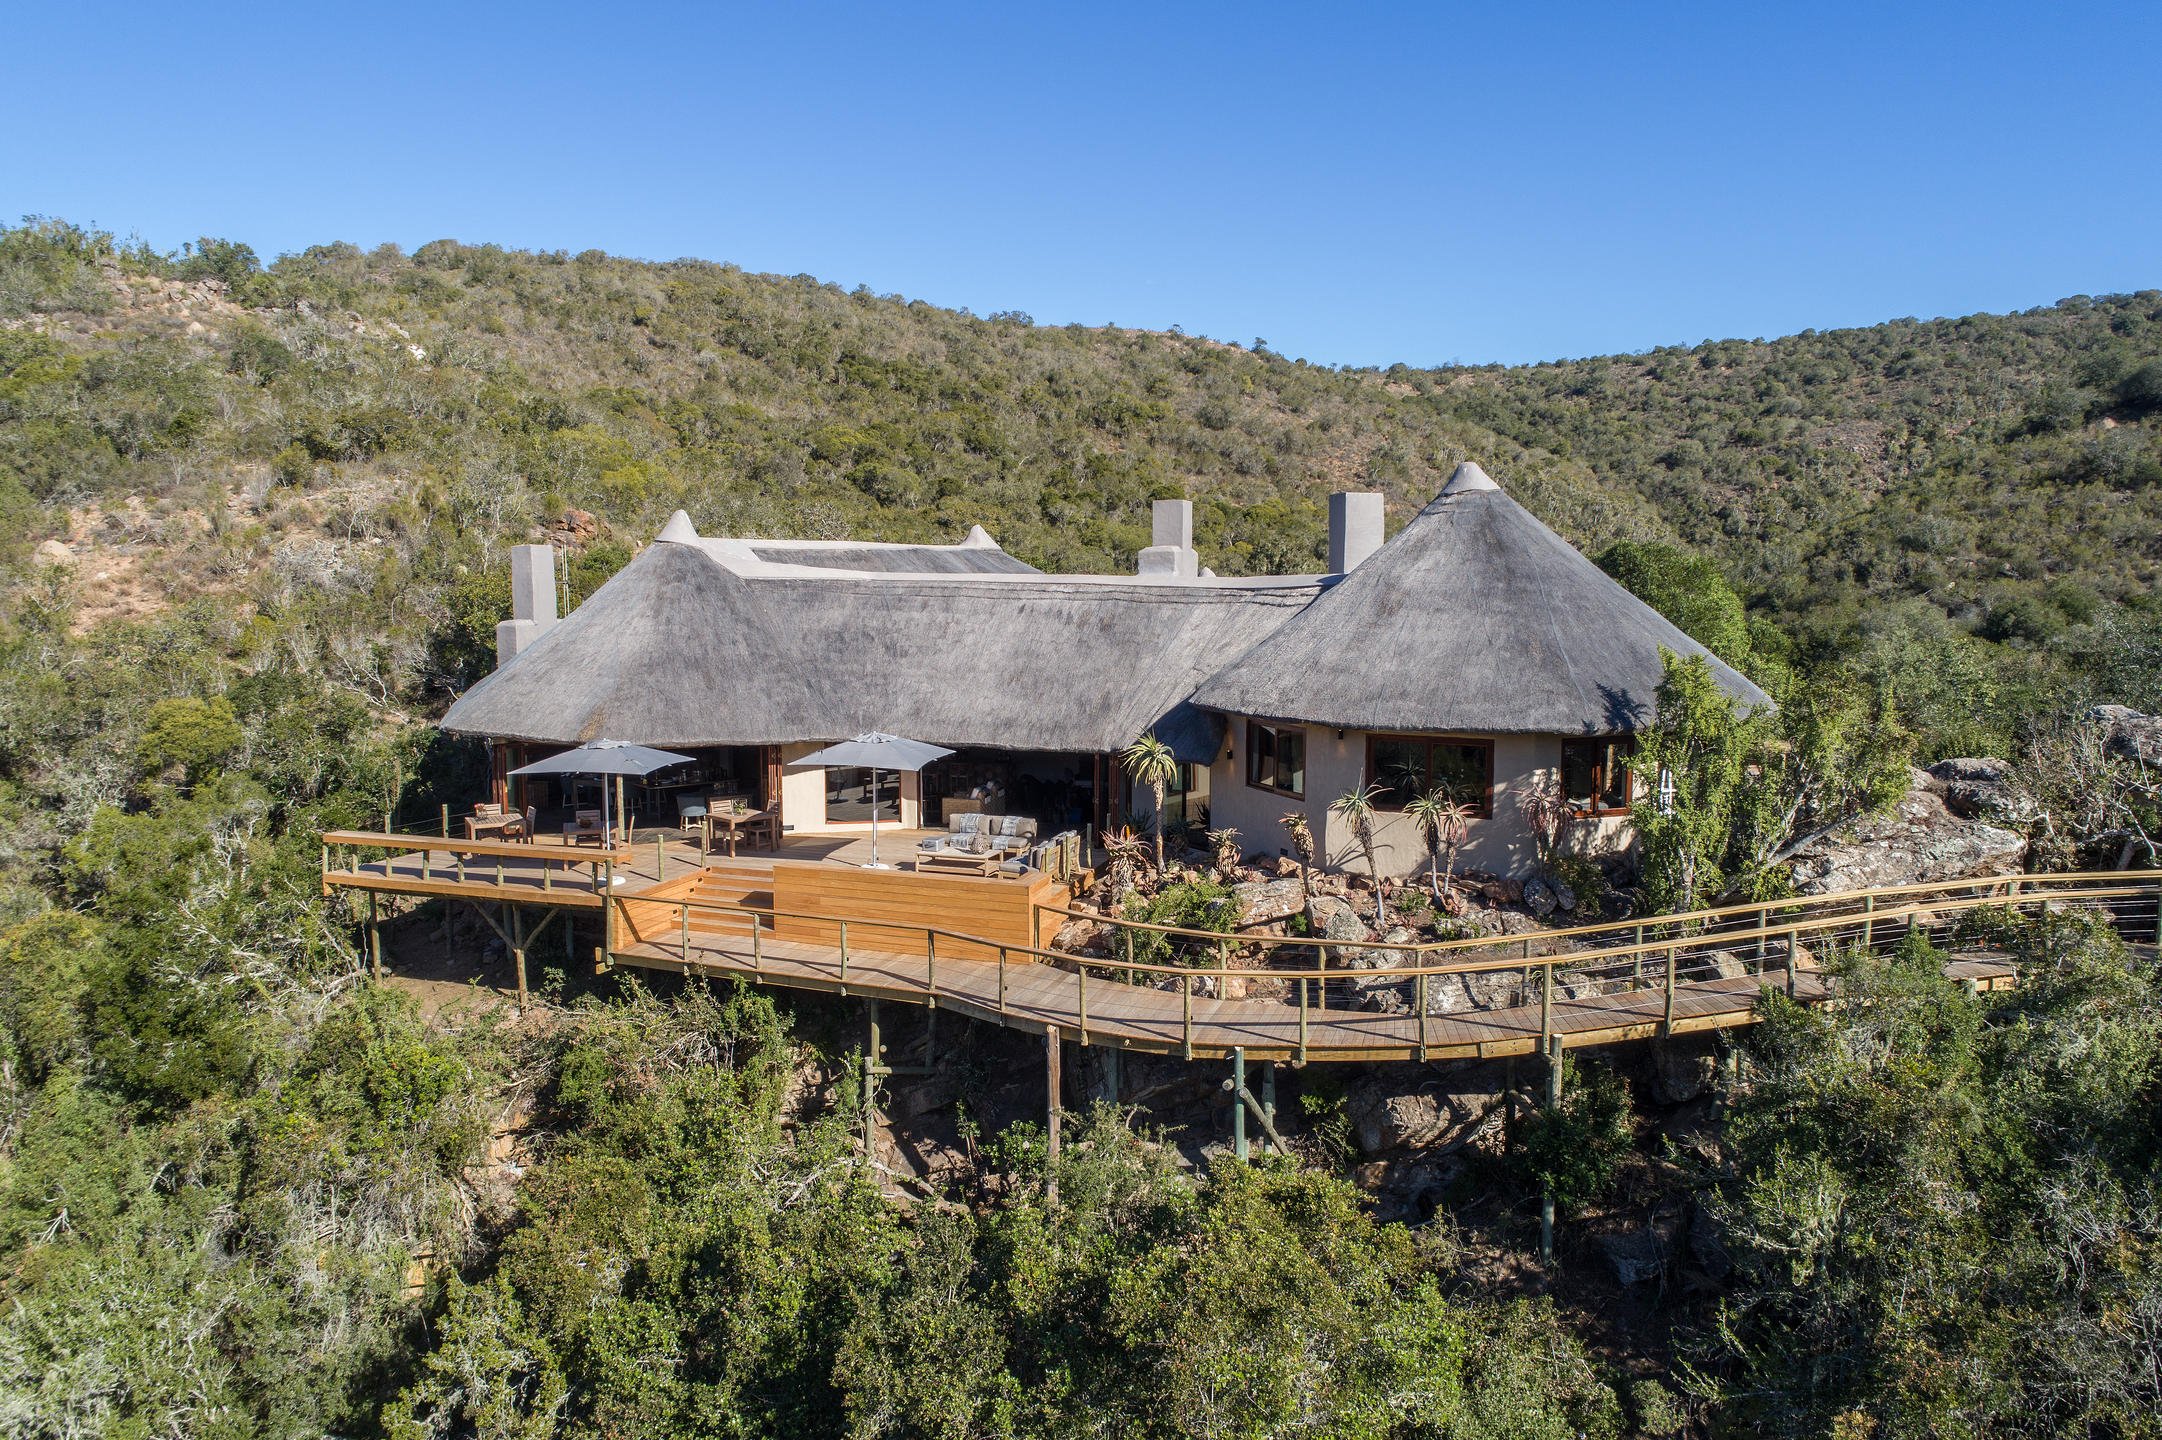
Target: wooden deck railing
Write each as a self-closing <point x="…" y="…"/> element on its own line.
<point x="1807" y="928"/>
<point x="499" y="862"/>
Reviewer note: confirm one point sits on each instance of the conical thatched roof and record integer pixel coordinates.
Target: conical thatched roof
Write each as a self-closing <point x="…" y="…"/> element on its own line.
<point x="1474" y="618"/>
<point x="678" y="649"/>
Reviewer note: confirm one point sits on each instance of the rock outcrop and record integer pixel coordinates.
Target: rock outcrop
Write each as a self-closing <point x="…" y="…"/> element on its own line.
<point x="1979" y="787"/>
<point x="2131" y="735"/>
<point x="1440" y="1122"/>
<point x="1921" y="840"/>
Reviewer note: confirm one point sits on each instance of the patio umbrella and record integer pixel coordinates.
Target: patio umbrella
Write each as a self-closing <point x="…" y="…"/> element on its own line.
<point x="605" y="758"/>
<point x="874" y="751"/>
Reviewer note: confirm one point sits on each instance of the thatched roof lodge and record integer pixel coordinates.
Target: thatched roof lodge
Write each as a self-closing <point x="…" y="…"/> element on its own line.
<point x="1476" y="651"/>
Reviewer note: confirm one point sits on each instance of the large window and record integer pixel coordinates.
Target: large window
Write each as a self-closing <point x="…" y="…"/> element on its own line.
<point x="1595" y="775"/>
<point x="849" y="795"/>
<point x="1276" y="758"/>
<point x="1408" y="766"/>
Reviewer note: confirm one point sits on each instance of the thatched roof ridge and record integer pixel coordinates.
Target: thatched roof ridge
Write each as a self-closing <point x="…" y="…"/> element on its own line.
<point x="1475" y="617"/>
<point x="678" y="649"/>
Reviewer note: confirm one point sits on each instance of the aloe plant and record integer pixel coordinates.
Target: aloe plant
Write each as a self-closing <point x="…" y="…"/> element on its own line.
<point x="1150" y="762"/>
<point x="1443" y="824"/>
<point x="1361" y="808"/>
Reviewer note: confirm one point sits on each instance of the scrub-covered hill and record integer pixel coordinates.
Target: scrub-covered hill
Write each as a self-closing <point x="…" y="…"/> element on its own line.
<point x="349" y="435"/>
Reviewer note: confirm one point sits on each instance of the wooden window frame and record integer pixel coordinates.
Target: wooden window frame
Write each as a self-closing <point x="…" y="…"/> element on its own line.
<point x="1485" y="743"/>
<point x="1253" y="752"/>
<point x="1609" y="745"/>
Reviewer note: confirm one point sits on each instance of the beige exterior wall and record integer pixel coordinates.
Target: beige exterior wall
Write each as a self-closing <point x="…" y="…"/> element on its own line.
<point x="803" y="798"/>
<point x="1501" y="844"/>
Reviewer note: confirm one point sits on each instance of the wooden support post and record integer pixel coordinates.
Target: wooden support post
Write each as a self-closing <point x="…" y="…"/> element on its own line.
<point x="1081" y="977"/>
<point x="1546" y="1005"/>
<point x="844" y="957"/>
<point x="517" y="949"/>
<point x="446" y="822"/>
<point x="758" y="956"/>
<point x="1268" y="1092"/>
<point x="375" y="940"/>
<point x="1302" y="1019"/>
<point x="660" y="859"/>
<point x="1764" y="919"/>
<point x="874" y="1052"/>
<point x="930" y="971"/>
<point x="1001" y="979"/>
<point x="1418" y="993"/>
<point x="684" y="917"/>
<point x="1238" y="1102"/>
<point x="1553" y="1101"/>
<point x="1666" y="1019"/>
<point x="1869" y="924"/>
<point x="1051" y="1066"/>
<point x="1111" y="1074"/>
<point x="1186" y="1015"/>
<point x="1508" y="1115"/>
<point x="1321" y="978"/>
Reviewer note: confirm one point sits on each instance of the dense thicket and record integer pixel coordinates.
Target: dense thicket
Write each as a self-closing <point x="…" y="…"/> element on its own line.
<point x="243" y="1192"/>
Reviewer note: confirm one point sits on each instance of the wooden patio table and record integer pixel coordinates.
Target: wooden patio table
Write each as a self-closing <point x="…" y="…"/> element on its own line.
<point x="737" y="823"/>
<point x="482" y="827"/>
<point x="967" y="862"/>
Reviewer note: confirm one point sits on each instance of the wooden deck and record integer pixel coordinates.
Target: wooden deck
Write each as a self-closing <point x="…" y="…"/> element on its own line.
<point x="976" y="946"/>
<point x="1024" y="995"/>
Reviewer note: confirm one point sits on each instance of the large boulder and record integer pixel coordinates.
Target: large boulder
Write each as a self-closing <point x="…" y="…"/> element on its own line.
<point x="1267" y="902"/>
<point x="2131" y="735"/>
<point x="1921" y="840"/>
<point x="1338" y="921"/>
<point x="1979" y="787"/>
<point x="1681" y="1070"/>
<point x="1421" y="1120"/>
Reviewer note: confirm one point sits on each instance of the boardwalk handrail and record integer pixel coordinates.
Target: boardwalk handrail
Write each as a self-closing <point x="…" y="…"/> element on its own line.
<point x="1570" y="959"/>
<point x="1308" y="989"/>
<point x="521" y="849"/>
<point x="1637" y="925"/>
<point x="551" y="860"/>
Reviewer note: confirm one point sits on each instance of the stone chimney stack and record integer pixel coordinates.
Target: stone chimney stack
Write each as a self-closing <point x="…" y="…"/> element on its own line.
<point x="1171" y="552"/>
<point x="532" y="600"/>
<point x="1354" y="528"/>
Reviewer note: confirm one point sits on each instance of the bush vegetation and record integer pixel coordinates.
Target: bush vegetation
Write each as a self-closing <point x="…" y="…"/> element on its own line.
<point x="242" y="1191"/>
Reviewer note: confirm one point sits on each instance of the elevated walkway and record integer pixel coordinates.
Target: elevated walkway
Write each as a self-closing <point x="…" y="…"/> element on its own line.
<point x="977" y="946"/>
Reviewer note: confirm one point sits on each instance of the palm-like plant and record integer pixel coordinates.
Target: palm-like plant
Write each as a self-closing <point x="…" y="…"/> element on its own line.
<point x="1150" y="762"/>
<point x="1360" y="809"/>
<point x="1225" y="845"/>
<point x="1443" y="823"/>
<point x="1302" y="845"/>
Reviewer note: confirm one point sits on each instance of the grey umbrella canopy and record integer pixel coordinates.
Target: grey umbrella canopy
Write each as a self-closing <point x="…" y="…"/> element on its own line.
<point x="874" y="751"/>
<point x="606" y="757"/>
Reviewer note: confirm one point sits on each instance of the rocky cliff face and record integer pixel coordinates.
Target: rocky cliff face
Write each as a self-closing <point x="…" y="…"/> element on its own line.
<point x="1925" y="838"/>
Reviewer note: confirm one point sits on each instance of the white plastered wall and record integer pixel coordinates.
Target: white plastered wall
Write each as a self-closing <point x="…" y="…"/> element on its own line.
<point x="803" y="798"/>
<point x="1501" y="844"/>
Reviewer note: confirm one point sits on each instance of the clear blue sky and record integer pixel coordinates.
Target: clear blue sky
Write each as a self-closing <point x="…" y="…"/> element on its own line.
<point x="1361" y="185"/>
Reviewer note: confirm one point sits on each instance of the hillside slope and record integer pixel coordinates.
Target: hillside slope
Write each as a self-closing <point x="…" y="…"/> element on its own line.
<point x="347" y="438"/>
